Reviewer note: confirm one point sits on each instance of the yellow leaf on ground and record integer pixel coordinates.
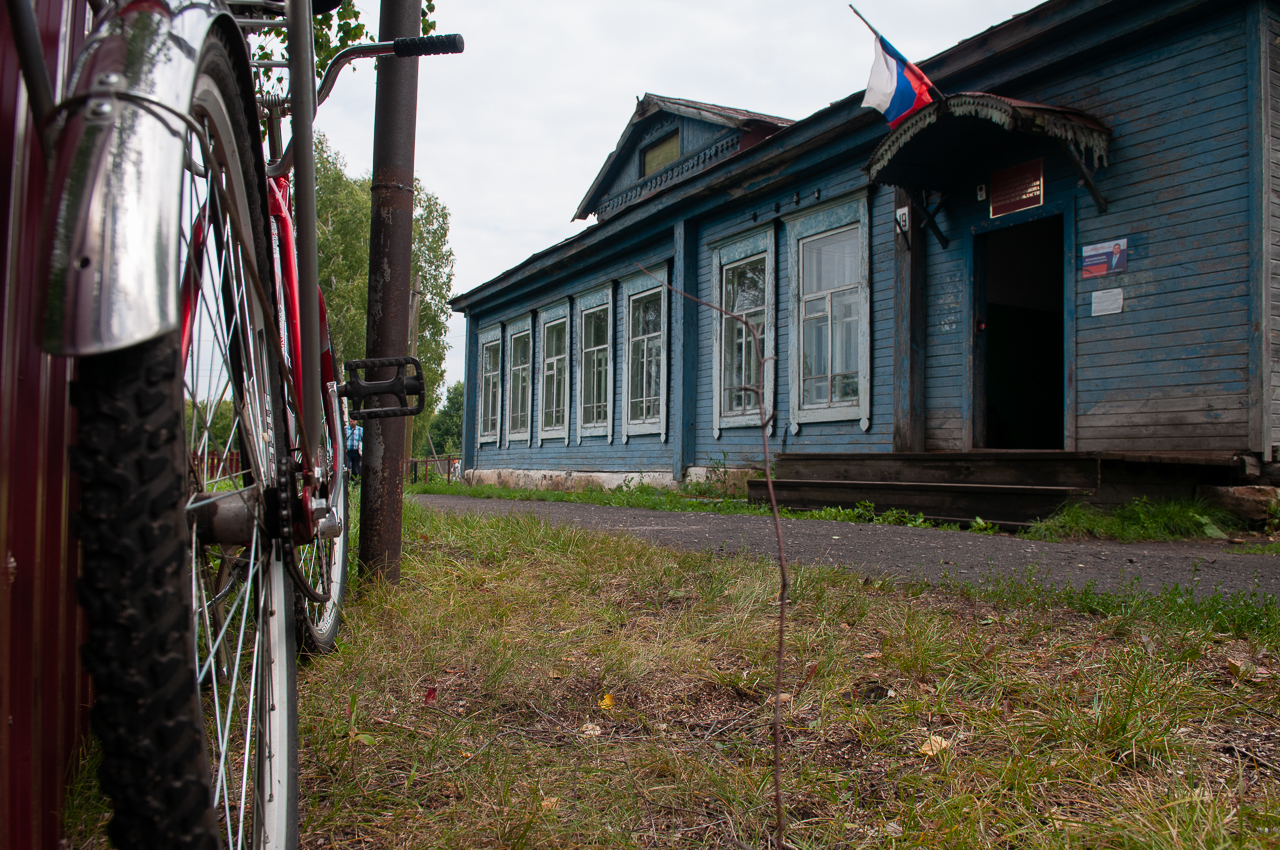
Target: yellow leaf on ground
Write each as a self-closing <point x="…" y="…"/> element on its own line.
<point x="550" y="803"/>
<point x="606" y="701"/>
<point x="934" y="744"/>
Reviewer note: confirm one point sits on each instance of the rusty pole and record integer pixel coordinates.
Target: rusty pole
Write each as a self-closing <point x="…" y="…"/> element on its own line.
<point x="390" y="261"/>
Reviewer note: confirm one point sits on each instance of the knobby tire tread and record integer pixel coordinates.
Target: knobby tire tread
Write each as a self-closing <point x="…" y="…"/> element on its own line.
<point x="147" y="714"/>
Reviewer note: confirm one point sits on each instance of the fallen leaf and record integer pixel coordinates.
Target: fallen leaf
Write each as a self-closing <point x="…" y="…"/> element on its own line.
<point x="783" y="699"/>
<point x="1239" y="669"/>
<point x="606" y="701"/>
<point x="591" y="730"/>
<point x="870" y="655"/>
<point x="934" y="744"/>
<point x="550" y="803"/>
<point x="429" y="697"/>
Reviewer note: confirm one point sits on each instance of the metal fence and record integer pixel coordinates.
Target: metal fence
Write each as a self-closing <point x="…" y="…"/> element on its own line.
<point x="447" y="467"/>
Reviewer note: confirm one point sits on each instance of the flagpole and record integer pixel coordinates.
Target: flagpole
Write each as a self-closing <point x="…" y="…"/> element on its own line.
<point x="865" y="21"/>
<point x="933" y="90"/>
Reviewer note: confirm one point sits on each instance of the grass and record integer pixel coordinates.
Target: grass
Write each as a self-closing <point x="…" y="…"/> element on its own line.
<point x="537" y="686"/>
<point x="1140" y="519"/>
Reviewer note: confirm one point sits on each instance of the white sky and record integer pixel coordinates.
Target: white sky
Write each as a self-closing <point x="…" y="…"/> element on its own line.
<point x="512" y="132"/>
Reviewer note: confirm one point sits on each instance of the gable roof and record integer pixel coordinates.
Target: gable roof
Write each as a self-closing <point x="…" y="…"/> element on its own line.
<point x="651" y="105"/>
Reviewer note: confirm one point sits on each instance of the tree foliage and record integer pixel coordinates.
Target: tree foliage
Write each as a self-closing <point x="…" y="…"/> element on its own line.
<point x="446" y="424"/>
<point x="343" y="214"/>
<point x="333" y="31"/>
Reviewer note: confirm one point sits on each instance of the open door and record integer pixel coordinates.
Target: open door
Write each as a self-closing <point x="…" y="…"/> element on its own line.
<point x="1018" y="365"/>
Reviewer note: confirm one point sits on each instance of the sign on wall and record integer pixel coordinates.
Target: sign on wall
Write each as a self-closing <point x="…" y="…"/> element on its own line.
<point x="1104" y="258"/>
<point x="1018" y="188"/>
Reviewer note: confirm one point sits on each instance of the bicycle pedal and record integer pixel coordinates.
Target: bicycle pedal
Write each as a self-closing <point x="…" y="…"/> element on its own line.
<point x="360" y="392"/>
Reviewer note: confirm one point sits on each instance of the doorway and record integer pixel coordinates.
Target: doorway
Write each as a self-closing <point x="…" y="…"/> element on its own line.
<point x="1018" y="364"/>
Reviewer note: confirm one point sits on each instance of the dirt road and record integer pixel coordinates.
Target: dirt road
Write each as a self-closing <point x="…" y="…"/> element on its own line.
<point x="923" y="553"/>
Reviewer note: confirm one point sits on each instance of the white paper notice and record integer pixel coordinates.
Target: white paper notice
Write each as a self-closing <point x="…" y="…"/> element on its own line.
<point x="1107" y="301"/>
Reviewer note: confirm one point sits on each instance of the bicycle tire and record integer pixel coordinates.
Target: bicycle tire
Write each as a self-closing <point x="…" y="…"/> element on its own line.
<point x="198" y="724"/>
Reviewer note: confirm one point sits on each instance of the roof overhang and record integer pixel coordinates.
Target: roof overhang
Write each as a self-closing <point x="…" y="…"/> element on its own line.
<point x="948" y="144"/>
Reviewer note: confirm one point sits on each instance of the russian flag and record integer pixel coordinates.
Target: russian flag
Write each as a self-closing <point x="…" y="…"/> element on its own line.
<point x="897" y="88"/>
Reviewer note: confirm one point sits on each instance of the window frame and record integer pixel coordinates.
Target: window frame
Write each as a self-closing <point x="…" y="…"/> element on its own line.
<point x="632" y="288"/>
<point x="491" y="335"/>
<point x="727" y="253"/>
<point x="657" y="143"/>
<point x="841" y="214"/>
<point x="597" y="299"/>
<point x="515" y="328"/>
<point x="550" y="315"/>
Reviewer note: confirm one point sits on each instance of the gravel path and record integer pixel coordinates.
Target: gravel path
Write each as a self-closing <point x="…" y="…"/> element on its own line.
<point x="924" y="553"/>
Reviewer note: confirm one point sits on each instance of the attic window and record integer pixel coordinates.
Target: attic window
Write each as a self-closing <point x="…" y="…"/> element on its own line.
<point x="660" y="155"/>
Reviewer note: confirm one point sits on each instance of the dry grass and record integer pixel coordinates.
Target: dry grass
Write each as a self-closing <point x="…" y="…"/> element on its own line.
<point x="464" y="709"/>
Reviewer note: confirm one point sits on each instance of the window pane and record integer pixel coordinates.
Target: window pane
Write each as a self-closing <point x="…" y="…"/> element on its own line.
<point x="661" y="155"/>
<point x="520" y="350"/>
<point x="595" y="328"/>
<point x="646" y="315"/>
<point x="555" y="339"/>
<point x="744" y="286"/>
<point x="815" y="391"/>
<point x="829" y="262"/>
<point x="844" y="346"/>
<point x="491" y="357"/>
<point x="731" y="377"/>
<point x="815" y="347"/>
<point x="637" y="380"/>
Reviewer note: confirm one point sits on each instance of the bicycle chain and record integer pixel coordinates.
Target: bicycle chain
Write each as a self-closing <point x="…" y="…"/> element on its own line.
<point x="285" y="480"/>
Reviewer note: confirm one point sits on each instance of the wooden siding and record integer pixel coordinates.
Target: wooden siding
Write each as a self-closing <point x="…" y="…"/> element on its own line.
<point x="1172" y="371"/>
<point x="694" y="136"/>
<point x="1272" y="70"/>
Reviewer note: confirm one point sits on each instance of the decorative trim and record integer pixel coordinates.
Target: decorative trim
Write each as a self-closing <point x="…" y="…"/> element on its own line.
<point x="595" y="299"/>
<point x="555" y="312"/>
<point x="488" y="335"/>
<point x="847" y="211"/>
<point x="629" y="289"/>
<point x="514" y="328"/>
<point x="759" y="242"/>
<point x="694" y="162"/>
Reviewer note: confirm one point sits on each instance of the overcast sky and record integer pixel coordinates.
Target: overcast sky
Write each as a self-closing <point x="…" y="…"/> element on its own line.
<point x="512" y="132"/>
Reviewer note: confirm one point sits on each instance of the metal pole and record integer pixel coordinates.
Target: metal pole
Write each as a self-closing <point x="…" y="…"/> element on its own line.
<point x="390" y="261"/>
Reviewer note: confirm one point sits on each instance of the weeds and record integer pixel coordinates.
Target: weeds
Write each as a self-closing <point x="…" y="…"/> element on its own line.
<point x="1137" y="519"/>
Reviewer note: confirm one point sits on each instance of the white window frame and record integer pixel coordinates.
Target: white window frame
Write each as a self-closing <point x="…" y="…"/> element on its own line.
<point x="842" y="214"/>
<point x="632" y="288"/>
<point x="727" y="253"/>
<point x="518" y="327"/>
<point x="489" y="336"/>
<point x="550" y="315"/>
<point x="597" y="299"/>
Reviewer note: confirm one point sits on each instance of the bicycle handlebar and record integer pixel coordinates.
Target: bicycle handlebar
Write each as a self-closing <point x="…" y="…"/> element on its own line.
<point x="429" y="45"/>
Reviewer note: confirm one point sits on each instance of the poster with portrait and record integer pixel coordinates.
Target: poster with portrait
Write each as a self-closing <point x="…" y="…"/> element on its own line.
<point x="1106" y="258"/>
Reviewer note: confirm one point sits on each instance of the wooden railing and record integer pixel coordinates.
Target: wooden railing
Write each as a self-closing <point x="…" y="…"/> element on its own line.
<point x="448" y="467"/>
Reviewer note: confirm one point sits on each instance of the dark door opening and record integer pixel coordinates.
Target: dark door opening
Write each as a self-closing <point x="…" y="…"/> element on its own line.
<point x="1020" y="324"/>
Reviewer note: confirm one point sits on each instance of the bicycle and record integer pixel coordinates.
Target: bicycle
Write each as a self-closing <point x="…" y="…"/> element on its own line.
<point x="213" y="495"/>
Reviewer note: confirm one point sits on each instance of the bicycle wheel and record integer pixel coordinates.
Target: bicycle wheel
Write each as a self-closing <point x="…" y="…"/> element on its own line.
<point x="191" y="616"/>
<point x="322" y="562"/>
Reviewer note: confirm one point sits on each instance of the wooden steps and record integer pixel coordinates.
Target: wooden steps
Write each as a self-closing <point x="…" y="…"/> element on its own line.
<point x="1009" y="488"/>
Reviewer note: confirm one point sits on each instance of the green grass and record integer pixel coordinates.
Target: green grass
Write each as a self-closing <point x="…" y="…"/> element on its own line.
<point x="1140" y="519"/>
<point x="466" y="706"/>
<point x="1136" y="520"/>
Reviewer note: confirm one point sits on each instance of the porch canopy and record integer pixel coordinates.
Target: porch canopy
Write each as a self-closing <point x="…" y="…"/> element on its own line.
<point x="956" y="142"/>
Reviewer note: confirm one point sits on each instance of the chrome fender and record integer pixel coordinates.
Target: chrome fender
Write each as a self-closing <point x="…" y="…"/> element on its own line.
<point x="115" y="258"/>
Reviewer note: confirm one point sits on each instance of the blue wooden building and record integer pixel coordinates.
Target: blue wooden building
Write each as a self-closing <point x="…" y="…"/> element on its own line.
<point x="1069" y="265"/>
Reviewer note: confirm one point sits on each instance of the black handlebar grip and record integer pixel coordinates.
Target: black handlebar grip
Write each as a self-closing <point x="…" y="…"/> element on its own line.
<point x="428" y="45"/>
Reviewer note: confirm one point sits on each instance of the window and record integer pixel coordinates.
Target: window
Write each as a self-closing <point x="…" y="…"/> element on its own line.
<point x="831" y="301"/>
<point x="742" y="294"/>
<point x="646" y="357"/>
<point x="744" y="265"/>
<point x="661" y="154"/>
<point x="521" y="357"/>
<point x="555" y="374"/>
<point x="595" y="367"/>
<point x="490" y="389"/>
<point x="644" y="409"/>
<point x="830" y="318"/>
<point x="594" y="348"/>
